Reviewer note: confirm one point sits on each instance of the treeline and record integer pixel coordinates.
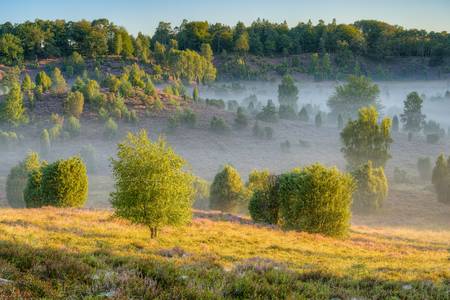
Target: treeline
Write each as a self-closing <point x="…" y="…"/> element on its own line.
<point x="370" y="38"/>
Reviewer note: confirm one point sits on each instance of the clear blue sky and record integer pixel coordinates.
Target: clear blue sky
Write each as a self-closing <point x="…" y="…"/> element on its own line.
<point x="141" y="15"/>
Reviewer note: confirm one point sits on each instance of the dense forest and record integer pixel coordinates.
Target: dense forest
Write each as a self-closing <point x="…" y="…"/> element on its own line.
<point x="369" y="38"/>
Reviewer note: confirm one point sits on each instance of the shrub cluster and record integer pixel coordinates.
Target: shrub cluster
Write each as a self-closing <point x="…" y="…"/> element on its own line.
<point x="315" y="199"/>
<point x="219" y="125"/>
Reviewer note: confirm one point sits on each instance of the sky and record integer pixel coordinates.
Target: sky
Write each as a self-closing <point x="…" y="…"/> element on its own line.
<point x="144" y="15"/>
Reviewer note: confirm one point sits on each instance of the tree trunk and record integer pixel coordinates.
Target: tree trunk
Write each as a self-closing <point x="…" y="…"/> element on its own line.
<point x="153" y="232"/>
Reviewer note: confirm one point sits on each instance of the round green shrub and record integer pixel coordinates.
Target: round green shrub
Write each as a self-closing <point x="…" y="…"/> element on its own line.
<point x="371" y="188"/>
<point x="316" y="200"/>
<point x="227" y="190"/>
<point x="63" y="183"/>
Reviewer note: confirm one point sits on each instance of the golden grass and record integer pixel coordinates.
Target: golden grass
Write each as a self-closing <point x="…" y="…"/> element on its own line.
<point x="386" y="254"/>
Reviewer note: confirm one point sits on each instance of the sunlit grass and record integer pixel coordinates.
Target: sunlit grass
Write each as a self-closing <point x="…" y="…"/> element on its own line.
<point x="388" y="255"/>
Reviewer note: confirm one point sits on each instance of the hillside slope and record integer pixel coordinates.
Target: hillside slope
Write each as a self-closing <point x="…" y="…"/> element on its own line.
<point x="60" y="253"/>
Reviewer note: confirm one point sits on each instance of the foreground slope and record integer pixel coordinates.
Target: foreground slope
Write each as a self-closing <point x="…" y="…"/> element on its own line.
<point x="59" y="253"/>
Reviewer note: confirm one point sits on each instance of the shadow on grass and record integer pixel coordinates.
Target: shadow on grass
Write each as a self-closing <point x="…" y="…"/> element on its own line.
<point x="59" y="273"/>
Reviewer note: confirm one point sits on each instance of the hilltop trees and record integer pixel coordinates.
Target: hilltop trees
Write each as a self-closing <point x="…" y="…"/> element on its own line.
<point x="412" y="116"/>
<point x="227" y="191"/>
<point x="11" y="51"/>
<point x="365" y="139"/>
<point x="151" y="187"/>
<point x="358" y="92"/>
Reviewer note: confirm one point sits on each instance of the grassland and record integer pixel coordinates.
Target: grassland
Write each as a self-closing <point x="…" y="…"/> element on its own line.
<point x="68" y="253"/>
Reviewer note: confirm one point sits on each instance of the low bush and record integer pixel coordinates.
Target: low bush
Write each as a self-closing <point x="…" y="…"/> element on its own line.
<point x="268" y="113"/>
<point x="219" y="126"/>
<point x="241" y="120"/>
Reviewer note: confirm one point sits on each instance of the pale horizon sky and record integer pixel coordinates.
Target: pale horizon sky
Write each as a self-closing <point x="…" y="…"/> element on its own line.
<point x="144" y="16"/>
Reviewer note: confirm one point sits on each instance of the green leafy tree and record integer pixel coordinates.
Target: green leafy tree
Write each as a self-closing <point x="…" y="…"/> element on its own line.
<point x="12" y="110"/>
<point x="74" y="104"/>
<point x="365" y="139"/>
<point x="357" y="93"/>
<point x="371" y="188"/>
<point x="288" y="92"/>
<point x="17" y="179"/>
<point x="63" y="183"/>
<point x="227" y="191"/>
<point x="151" y="186"/>
<point x="412" y="118"/>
